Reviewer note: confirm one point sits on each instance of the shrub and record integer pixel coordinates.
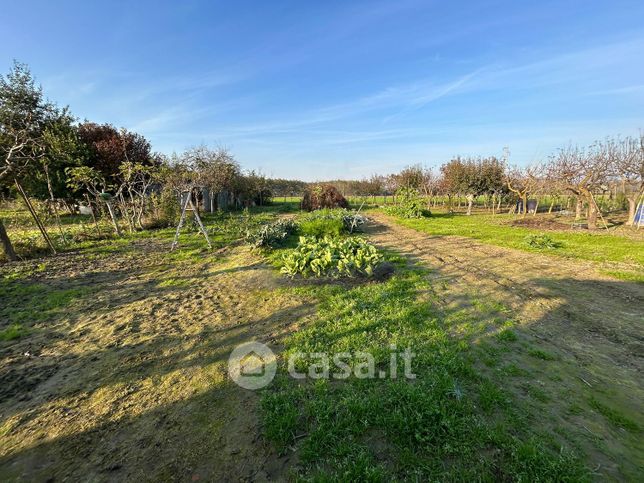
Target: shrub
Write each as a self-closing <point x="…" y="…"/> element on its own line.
<point x="323" y="196"/>
<point x="409" y="204"/>
<point x="541" y="241"/>
<point x="333" y="257"/>
<point x="272" y="234"/>
<point x="167" y="208"/>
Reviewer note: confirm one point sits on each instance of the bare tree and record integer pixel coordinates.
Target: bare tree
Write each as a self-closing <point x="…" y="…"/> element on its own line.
<point x="524" y="182"/>
<point x="625" y="157"/>
<point x="581" y="172"/>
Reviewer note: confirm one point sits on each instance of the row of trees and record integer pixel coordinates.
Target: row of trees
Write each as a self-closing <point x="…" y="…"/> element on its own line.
<point x="580" y="173"/>
<point x="46" y="154"/>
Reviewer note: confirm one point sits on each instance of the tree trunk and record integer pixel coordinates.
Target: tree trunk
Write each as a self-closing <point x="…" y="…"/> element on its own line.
<point x="89" y="204"/>
<point x="6" y="243"/>
<point x="524" y="201"/>
<point x="53" y="204"/>
<point x="592" y="216"/>
<point x="632" y="205"/>
<point x="470" y="200"/>
<point x="579" y="207"/>
<point x="113" y="217"/>
<point x="591" y="213"/>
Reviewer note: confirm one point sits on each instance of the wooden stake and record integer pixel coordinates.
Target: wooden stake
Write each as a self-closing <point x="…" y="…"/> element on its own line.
<point x="592" y="197"/>
<point x="91" y="208"/>
<point x="41" y="227"/>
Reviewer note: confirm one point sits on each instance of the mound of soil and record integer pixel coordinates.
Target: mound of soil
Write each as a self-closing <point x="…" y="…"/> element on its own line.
<point x="542" y="223"/>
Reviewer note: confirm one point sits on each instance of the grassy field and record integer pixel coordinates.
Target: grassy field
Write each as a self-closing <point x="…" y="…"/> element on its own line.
<point x="113" y="358"/>
<point x="623" y="256"/>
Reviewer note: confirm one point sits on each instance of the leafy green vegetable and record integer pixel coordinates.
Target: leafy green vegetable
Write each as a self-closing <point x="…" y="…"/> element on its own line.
<point x="333" y="257"/>
<point x="272" y="234"/>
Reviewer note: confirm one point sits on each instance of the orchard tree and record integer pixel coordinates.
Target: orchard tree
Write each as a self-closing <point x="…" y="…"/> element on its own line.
<point x="24" y="118"/>
<point x="472" y="177"/>
<point x="625" y="157"/>
<point x="524" y="182"/>
<point x="581" y="172"/>
<point x="411" y="177"/>
<point x="90" y="179"/>
<point x="106" y="147"/>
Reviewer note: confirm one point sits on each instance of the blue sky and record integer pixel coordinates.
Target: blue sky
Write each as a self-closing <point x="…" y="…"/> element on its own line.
<point x="341" y="89"/>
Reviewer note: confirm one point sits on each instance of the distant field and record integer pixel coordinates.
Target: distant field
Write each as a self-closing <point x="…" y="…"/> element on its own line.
<point x="498" y="230"/>
<point x="620" y="248"/>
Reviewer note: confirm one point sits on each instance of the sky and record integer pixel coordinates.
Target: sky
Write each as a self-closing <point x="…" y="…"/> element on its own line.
<point x="341" y="89"/>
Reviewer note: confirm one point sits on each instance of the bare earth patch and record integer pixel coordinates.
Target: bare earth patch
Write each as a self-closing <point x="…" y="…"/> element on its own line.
<point x="125" y="377"/>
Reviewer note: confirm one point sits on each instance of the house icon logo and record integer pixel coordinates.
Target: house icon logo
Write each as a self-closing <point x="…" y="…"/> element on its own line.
<point x="252" y="365"/>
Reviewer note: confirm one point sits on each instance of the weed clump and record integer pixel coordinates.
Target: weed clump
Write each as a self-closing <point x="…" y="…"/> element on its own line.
<point x="326" y="222"/>
<point x="321" y="227"/>
<point x="272" y="234"/>
<point x="541" y="242"/>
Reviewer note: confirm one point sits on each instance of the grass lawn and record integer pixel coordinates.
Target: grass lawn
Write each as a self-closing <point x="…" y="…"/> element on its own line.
<point x="452" y="422"/>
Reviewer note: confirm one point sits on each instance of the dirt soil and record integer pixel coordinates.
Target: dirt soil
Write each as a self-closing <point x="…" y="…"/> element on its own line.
<point x="543" y="223"/>
<point x="128" y="380"/>
<point x="590" y="322"/>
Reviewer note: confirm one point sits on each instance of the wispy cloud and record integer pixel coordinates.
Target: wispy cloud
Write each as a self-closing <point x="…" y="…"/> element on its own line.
<point x="399" y="99"/>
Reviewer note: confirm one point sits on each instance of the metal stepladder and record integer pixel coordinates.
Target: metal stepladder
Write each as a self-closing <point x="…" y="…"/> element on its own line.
<point x="188" y="205"/>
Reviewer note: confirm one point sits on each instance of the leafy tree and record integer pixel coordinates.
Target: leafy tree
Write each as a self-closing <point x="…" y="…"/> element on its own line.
<point x="107" y="147"/>
<point x="25" y="117"/>
<point x="93" y="181"/>
<point x="472" y="177"/>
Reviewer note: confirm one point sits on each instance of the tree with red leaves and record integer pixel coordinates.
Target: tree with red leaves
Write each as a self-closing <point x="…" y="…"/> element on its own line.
<point x="108" y="147"/>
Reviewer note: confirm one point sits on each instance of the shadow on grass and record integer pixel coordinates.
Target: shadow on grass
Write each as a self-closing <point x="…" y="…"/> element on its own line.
<point x="472" y="411"/>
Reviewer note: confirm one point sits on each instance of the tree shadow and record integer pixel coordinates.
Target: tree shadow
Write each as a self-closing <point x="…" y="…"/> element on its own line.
<point x="585" y="346"/>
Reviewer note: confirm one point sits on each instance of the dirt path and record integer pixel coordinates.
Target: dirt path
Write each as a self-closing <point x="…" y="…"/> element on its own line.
<point x="593" y="324"/>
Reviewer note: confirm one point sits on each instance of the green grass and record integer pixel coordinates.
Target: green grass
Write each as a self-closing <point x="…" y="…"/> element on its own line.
<point x="81" y="234"/>
<point x="614" y="416"/>
<point x="496" y="230"/>
<point x="543" y="355"/>
<point x="12" y="332"/>
<point x="450" y="423"/>
<point x="37" y="301"/>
